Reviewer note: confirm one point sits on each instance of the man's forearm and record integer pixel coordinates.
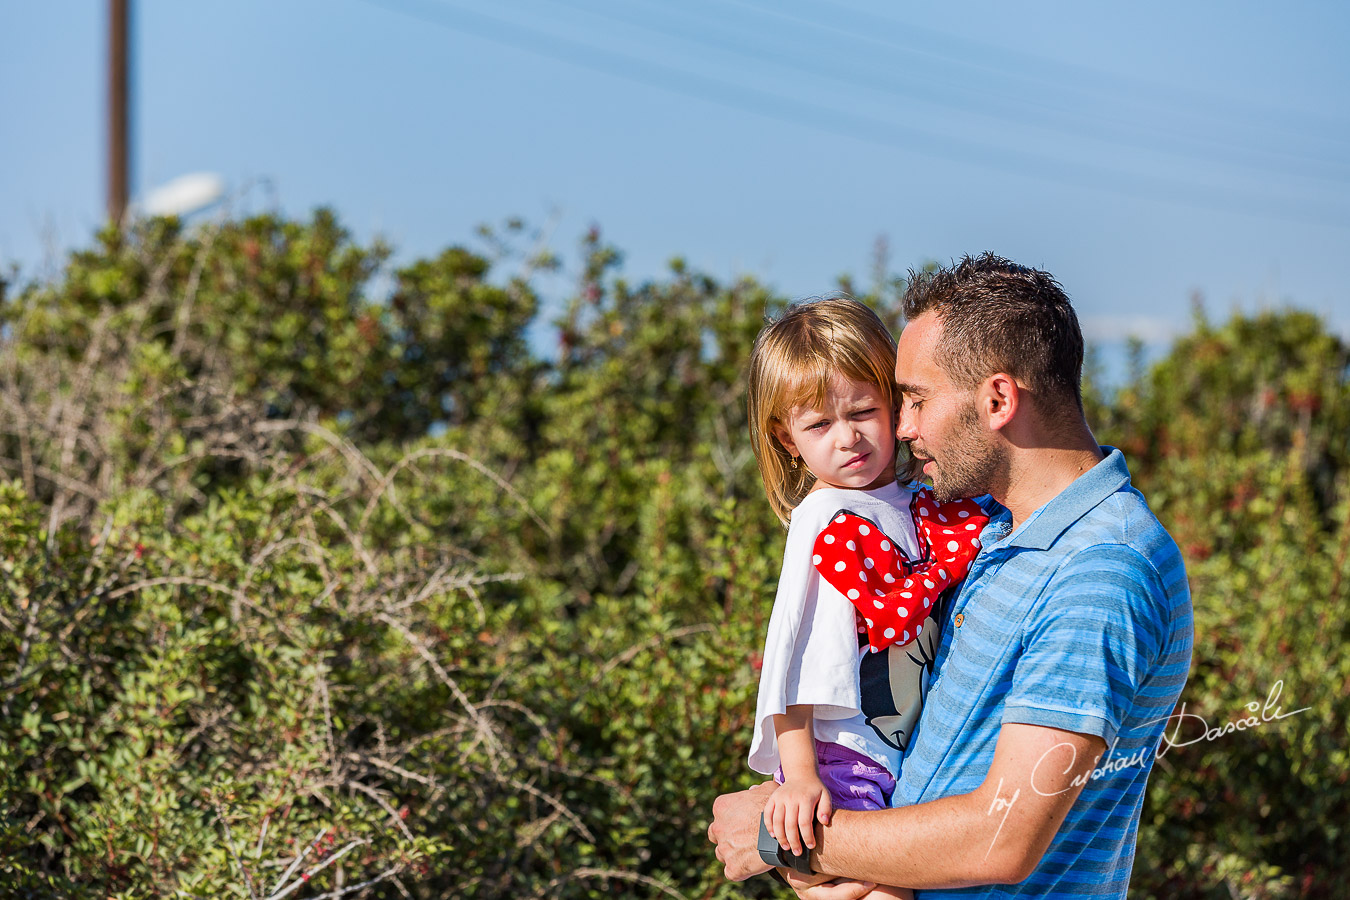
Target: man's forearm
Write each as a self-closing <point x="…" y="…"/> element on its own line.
<point x="996" y="834"/>
<point x="948" y="843"/>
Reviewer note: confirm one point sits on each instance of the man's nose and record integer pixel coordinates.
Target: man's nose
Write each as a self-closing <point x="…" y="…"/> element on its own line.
<point x="904" y="425"/>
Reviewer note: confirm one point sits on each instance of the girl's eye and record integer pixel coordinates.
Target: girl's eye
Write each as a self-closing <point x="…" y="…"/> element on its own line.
<point x="864" y="413"/>
<point x="817" y="426"/>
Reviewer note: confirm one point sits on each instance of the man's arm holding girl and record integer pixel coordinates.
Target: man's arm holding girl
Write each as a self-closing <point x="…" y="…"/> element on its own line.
<point x="996" y="834"/>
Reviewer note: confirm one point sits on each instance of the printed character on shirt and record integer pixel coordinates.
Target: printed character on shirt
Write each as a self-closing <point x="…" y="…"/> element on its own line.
<point x="853" y="631"/>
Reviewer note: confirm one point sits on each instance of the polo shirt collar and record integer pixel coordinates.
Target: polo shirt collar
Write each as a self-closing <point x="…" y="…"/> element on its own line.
<point x="1046" y="524"/>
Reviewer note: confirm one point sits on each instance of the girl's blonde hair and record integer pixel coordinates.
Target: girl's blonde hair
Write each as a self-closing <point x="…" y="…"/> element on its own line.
<point x="793" y="361"/>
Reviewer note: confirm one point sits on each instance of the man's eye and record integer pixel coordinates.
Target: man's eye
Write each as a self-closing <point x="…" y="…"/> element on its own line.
<point x="915" y="404"/>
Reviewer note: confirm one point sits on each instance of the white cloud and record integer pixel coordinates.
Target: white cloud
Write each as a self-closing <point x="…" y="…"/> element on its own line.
<point x="1149" y="329"/>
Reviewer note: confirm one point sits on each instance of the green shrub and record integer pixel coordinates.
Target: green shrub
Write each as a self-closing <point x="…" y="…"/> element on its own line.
<point x="288" y="567"/>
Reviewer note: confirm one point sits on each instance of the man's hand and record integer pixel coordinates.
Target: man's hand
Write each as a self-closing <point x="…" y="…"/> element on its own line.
<point x="826" y="887"/>
<point x="735" y="830"/>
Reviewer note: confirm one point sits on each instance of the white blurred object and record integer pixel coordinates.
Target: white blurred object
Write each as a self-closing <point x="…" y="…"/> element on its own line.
<point x="183" y="195"/>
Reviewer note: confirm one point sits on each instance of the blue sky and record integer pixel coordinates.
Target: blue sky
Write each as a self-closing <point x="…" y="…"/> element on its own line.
<point x="1141" y="152"/>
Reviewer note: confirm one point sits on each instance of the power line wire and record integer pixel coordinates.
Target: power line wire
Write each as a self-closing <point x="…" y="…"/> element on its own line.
<point x="1092" y="84"/>
<point x="797" y="112"/>
<point x="852" y="69"/>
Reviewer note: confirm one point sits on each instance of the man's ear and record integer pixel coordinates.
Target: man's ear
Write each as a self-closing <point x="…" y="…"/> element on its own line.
<point x="785" y="438"/>
<point x="1000" y="396"/>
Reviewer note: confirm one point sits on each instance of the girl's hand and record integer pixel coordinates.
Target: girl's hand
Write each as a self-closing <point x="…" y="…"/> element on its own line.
<point x="794" y="809"/>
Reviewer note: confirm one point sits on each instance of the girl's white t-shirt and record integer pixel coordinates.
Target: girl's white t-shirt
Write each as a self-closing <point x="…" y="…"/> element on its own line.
<point x="811" y="654"/>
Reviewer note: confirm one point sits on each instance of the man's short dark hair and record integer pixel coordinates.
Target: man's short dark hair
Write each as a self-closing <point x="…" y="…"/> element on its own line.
<point x="998" y="316"/>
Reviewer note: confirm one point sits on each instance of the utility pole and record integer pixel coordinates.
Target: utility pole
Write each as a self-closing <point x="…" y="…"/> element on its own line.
<point x="117" y="110"/>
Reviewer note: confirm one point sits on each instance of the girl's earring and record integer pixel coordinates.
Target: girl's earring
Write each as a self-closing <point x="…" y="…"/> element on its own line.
<point x="794" y="462"/>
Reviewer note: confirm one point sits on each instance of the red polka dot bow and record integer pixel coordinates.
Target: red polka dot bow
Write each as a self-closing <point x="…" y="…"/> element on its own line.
<point x="894" y="595"/>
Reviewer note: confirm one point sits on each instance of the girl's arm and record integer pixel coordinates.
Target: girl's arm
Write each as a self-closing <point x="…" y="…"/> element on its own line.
<point x="794" y="809"/>
<point x="796" y="743"/>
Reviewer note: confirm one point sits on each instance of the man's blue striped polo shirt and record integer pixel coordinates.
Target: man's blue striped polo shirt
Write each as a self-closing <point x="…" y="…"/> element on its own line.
<point x="1079" y="620"/>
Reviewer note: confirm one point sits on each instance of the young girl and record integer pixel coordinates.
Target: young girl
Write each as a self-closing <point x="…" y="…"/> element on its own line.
<point x="851" y="637"/>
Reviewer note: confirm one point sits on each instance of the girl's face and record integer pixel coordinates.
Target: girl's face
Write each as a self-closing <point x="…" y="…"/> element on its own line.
<point x="850" y="443"/>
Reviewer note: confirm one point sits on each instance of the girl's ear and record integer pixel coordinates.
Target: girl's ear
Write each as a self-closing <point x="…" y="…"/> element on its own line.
<point x="785" y="438"/>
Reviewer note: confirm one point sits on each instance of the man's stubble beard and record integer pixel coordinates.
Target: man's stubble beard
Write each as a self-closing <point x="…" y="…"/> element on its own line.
<point x="972" y="464"/>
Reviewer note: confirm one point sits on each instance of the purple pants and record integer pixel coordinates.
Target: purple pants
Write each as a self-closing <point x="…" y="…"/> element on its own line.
<point x="854" y="781"/>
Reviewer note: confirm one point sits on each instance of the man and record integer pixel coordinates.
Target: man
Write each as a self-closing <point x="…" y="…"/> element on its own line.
<point x="1064" y="651"/>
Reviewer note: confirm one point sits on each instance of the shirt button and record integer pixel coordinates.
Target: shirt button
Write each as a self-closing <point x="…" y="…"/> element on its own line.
<point x="960" y="617"/>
